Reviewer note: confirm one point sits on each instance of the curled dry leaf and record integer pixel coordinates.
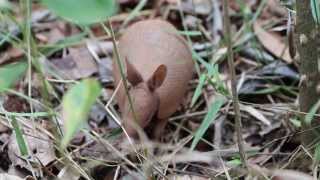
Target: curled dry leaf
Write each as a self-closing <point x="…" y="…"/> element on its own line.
<point x="272" y="43"/>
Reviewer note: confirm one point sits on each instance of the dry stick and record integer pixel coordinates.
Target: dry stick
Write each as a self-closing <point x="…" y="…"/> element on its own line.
<point x="232" y="72"/>
<point x="124" y="82"/>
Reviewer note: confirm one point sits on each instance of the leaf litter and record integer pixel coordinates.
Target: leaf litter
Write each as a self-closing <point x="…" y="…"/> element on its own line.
<point x="266" y="74"/>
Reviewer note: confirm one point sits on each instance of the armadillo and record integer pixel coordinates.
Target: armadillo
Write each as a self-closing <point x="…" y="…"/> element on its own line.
<point x="158" y="66"/>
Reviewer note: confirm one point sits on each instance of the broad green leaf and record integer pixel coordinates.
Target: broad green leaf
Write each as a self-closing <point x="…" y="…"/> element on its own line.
<point x="210" y="117"/>
<point x="309" y="117"/>
<point x="9" y="74"/>
<point x="5" y="5"/>
<point x="19" y="137"/>
<point x="82" y="11"/>
<point x="76" y="105"/>
<point x="315" y="9"/>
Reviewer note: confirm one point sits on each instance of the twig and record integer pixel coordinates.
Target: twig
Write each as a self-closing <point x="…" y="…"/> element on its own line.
<point x="124" y="82"/>
<point x="232" y="72"/>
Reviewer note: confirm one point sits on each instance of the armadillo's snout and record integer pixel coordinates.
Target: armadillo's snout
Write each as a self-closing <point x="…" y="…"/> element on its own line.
<point x="140" y="114"/>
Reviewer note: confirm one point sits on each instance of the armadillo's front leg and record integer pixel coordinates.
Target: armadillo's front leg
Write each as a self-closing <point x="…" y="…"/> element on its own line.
<point x="159" y="127"/>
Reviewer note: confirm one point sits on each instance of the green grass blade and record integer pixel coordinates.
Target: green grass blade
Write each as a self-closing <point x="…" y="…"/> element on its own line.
<point x="19" y="137"/>
<point x="309" y="117"/>
<point x="190" y="33"/>
<point x="209" y="118"/>
<point x="198" y="90"/>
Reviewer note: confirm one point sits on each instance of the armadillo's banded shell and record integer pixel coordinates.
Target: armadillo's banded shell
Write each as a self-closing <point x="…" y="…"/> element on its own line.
<point x="150" y="43"/>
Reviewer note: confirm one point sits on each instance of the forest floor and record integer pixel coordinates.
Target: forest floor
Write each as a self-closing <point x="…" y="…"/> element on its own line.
<point x="200" y="139"/>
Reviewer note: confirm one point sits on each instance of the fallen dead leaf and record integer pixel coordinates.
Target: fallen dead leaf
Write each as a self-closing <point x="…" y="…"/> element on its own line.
<point x="274" y="7"/>
<point x="3" y="126"/>
<point x="272" y="43"/>
<point x="11" y="54"/>
<point x="77" y="64"/>
<point x="39" y="145"/>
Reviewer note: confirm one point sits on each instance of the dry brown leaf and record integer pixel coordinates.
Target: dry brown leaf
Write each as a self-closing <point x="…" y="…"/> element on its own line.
<point x="272" y="43"/>
<point x="11" y="54"/>
<point x="276" y="9"/>
<point x="77" y="64"/>
<point x="39" y="145"/>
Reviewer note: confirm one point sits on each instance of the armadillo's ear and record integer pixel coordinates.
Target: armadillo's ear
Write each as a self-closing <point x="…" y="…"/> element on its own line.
<point x="134" y="77"/>
<point x="157" y="78"/>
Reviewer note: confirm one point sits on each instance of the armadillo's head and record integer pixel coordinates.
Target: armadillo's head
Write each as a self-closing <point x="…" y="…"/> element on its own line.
<point x="144" y="98"/>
